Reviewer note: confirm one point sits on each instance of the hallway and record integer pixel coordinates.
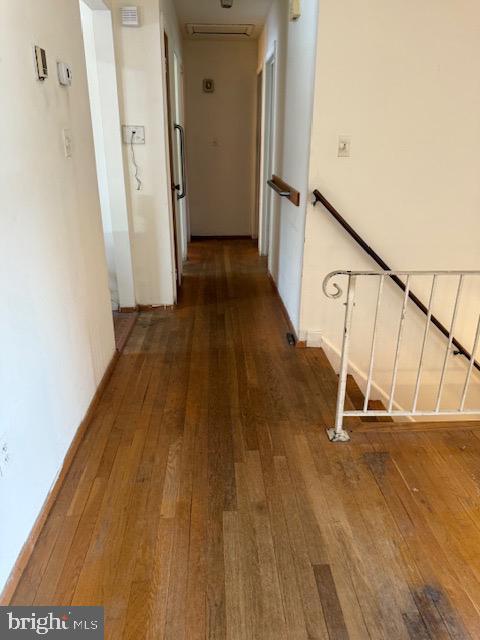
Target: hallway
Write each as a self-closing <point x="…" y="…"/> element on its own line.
<point x="207" y="502"/>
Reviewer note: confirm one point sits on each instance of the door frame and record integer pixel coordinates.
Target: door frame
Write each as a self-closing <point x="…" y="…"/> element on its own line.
<point x="182" y="206"/>
<point x="173" y="190"/>
<point x="258" y="157"/>
<point x="268" y="152"/>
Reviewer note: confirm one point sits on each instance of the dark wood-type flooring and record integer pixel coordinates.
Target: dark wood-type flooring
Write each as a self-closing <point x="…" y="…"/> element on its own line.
<point x="207" y="502"/>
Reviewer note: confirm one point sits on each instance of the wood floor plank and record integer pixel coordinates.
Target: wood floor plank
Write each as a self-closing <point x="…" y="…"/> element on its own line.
<point x="291" y="592"/>
<point x="236" y="606"/>
<point x="263" y="593"/>
<point x="331" y="605"/>
<point x="314" y="619"/>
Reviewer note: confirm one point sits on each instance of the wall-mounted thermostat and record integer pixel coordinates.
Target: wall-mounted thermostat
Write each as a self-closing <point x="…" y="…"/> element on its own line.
<point x="41" y="63"/>
<point x="130" y="17"/>
<point x="64" y="74"/>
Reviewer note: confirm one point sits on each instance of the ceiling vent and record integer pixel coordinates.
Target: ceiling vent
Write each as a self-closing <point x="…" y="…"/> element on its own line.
<point x="220" y="30"/>
<point x="130" y="17"/>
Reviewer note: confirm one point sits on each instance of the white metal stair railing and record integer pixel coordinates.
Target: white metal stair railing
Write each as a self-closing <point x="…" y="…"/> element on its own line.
<point x="338" y="433"/>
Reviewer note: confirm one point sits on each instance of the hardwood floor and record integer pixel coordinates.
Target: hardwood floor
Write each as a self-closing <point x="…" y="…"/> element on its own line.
<point x="207" y="502"/>
<point x="123" y="323"/>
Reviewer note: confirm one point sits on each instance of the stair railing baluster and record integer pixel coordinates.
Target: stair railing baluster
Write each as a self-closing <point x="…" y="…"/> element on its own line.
<point x="374" y="344"/>
<point x="338" y="433"/>
<point x="401" y="328"/>
<point x="424" y="343"/>
<point x="449" y="345"/>
<point x="470" y="367"/>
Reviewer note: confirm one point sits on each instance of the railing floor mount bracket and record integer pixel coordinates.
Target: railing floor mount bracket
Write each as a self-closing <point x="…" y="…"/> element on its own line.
<point x="337" y="436"/>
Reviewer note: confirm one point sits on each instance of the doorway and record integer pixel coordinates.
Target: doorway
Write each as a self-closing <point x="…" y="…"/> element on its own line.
<point x="98" y="40"/>
<point x="265" y="226"/>
<point x="220" y="104"/>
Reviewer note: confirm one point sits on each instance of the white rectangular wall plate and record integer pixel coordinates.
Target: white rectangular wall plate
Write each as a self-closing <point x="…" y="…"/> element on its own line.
<point x="130" y="16"/>
<point x="64" y="74"/>
<point x="343" y="150"/>
<point x="133" y="134"/>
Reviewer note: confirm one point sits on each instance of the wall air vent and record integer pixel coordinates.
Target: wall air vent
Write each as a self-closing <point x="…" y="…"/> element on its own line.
<point x="220" y="30"/>
<point x="130" y="17"/>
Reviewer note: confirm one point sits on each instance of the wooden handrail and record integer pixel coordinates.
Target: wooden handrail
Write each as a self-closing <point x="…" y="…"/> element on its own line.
<point x="285" y="190"/>
<point x="460" y="349"/>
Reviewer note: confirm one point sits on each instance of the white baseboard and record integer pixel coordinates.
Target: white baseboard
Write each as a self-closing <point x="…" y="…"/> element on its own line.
<point x="316" y="339"/>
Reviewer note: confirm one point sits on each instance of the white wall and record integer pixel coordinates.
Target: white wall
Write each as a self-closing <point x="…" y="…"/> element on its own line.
<point x="56" y="326"/>
<point x="221" y="130"/>
<point x="295" y="43"/>
<point x="102" y="80"/>
<point x="402" y="84"/>
<point x="140" y="61"/>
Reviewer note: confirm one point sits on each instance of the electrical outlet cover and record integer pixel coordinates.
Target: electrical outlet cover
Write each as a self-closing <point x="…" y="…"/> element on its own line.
<point x="64" y="74"/>
<point x="133" y="134"/>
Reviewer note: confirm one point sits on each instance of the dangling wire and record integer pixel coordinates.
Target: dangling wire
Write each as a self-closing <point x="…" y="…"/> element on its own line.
<point x="134" y="160"/>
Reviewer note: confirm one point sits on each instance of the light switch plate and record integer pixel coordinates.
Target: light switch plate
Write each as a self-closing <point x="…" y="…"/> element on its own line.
<point x="133" y="134"/>
<point x="343" y="147"/>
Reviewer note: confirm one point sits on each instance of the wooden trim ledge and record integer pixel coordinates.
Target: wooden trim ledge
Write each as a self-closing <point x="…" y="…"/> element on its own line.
<point x="27" y="549"/>
<point x="154" y="307"/>
<point x="417" y="427"/>
<point x="128" y="309"/>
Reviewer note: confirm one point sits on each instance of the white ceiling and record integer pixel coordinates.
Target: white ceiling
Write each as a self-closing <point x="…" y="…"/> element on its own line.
<point x="211" y="12"/>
